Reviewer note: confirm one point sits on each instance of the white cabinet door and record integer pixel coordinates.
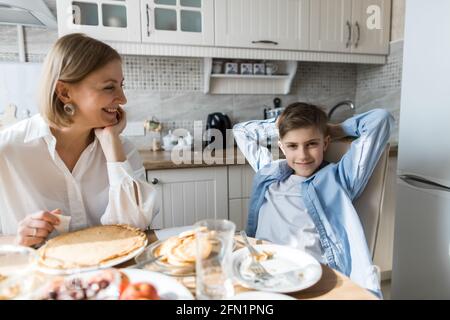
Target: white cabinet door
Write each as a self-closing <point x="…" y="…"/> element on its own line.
<point x="240" y="181"/>
<point x="239" y="212"/>
<point x="331" y="25"/>
<point x="268" y="24"/>
<point x="371" y="26"/>
<point x="188" y="22"/>
<point x="189" y="195"/>
<point x="117" y="20"/>
<point x="356" y="26"/>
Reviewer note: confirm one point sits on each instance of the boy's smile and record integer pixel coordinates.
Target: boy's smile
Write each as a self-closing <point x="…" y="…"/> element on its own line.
<point x="304" y="149"/>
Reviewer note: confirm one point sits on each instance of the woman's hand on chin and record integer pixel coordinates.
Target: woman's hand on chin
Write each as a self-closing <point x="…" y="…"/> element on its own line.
<point x="109" y="138"/>
<point x="113" y="130"/>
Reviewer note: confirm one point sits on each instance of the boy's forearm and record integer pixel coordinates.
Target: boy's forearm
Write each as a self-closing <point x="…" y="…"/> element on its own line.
<point x="368" y="123"/>
<point x="251" y="137"/>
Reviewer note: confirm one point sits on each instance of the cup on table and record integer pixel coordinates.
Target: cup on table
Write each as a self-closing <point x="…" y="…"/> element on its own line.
<point x="214" y="246"/>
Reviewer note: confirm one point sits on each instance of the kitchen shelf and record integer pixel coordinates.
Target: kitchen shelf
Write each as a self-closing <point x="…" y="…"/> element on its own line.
<point x="250" y="76"/>
<point x="250" y="84"/>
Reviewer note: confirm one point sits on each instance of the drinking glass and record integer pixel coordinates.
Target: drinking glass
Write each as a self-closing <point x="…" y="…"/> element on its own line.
<point x="214" y="245"/>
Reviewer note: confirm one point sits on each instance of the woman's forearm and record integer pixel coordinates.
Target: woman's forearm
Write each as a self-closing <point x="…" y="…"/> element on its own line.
<point x="113" y="148"/>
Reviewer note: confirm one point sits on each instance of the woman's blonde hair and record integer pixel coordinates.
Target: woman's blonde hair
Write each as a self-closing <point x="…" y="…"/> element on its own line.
<point x="70" y="60"/>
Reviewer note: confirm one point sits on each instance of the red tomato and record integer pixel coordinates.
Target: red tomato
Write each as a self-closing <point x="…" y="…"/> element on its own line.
<point x="125" y="281"/>
<point x="139" y="291"/>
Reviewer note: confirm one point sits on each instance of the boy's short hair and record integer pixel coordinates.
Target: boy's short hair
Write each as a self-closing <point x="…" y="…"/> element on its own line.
<point x="302" y="115"/>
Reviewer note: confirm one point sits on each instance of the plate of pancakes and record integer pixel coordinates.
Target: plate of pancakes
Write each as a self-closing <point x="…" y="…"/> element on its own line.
<point x="176" y="254"/>
<point x="91" y="248"/>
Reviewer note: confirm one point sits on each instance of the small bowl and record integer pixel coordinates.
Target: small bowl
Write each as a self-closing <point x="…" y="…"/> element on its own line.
<point x="163" y="267"/>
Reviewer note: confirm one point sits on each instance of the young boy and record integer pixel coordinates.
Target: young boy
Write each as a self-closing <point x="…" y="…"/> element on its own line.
<point x="305" y="202"/>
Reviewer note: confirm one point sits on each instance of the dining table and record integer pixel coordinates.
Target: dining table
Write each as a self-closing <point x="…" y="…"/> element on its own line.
<point x="333" y="285"/>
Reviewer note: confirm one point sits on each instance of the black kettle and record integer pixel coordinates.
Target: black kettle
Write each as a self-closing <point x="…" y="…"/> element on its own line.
<point x="219" y="121"/>
<point x="275" y="111"/>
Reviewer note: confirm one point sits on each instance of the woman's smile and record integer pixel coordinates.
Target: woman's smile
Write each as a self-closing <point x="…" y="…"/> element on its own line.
<point x="111" y="113"/>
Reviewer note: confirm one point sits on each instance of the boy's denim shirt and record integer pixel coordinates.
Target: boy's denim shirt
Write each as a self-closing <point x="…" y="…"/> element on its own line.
<point x="329" y="192"/>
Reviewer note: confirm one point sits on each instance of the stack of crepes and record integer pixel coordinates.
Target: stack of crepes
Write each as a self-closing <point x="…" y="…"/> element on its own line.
<point x="180" y="251"/>
<point x="91" y="247"/>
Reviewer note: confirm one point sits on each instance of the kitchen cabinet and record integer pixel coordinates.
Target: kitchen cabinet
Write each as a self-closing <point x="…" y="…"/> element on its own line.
<point x="371" y="26"/>
<point x="240" y="180"/>
<point x="267" y="24"/>
<point x="117" y="20"/>
<point x="189" y="22"/>
<point x="189" y="195"/>
<point x="353" y="26"/>
<point x="278" y="30"/>
<point x="330" y="28"/>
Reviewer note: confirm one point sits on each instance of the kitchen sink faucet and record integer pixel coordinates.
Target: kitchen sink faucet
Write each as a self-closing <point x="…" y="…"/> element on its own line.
<point x="342" y="103"/>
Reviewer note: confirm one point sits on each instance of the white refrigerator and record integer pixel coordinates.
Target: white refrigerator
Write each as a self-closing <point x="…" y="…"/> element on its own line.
<point x="421" y="261"/>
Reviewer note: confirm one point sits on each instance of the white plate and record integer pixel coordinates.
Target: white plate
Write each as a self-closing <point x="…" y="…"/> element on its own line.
<point x="167" y="287"/>
<point x="108" y="264"/>
<point x="261" y="295"/>
<point x="293" y="269"/>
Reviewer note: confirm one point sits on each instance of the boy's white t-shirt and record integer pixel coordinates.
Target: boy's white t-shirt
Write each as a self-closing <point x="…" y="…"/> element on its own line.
<point x="283" y="209"/>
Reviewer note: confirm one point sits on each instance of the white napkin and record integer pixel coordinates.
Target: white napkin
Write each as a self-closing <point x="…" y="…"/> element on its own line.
<point x="64" y="222"/>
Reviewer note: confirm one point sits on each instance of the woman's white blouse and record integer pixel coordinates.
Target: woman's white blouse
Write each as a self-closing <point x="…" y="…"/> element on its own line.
<point x="33" y="178"/>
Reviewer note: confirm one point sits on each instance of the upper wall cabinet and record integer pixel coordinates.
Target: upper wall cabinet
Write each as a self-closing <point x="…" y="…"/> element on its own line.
<point x="267" y="24"/>
<point x="117" y="20"/>
<point x="331" y="25"/>
<point x="189" y="22"/>
<point x="371" y="26"/>
<point x="286" y="30"/>
<point x="356" y="26"/>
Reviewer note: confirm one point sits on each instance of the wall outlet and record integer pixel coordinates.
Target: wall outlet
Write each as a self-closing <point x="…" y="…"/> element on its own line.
<point x="134" y="129"/>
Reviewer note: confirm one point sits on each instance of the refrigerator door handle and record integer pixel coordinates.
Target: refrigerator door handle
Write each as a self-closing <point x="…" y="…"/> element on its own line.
<point x="423" y="183"/>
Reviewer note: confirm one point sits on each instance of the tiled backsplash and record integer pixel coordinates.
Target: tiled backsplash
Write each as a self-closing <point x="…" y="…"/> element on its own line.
<point x="380" y="86"/>
<point x="14" y="57"/>
<point x="163" y="73"/>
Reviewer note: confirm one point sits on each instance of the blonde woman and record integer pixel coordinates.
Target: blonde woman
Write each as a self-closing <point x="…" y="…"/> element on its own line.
<point x="70" y="159"/>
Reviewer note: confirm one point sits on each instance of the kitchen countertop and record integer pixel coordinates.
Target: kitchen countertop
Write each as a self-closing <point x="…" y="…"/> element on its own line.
<point x="157" y="160"/>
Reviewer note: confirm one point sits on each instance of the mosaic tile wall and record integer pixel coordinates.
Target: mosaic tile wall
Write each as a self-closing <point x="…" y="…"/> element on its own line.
<point x="14" y="57"/>
<point x="163" y="73"/>
<point x="380" y="86"/>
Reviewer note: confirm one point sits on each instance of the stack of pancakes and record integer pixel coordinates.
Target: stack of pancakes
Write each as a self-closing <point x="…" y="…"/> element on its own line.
<point x="180" y="251"/>
<point x="91" y="247"/>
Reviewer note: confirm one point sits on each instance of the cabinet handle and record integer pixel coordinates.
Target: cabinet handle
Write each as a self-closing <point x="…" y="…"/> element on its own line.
<point x="148" y="20"/>
<point x="349" y="39"/>
<point x="266" y="41"/>
<point x="358" y="29"/>
<point x="155" y="181"/>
